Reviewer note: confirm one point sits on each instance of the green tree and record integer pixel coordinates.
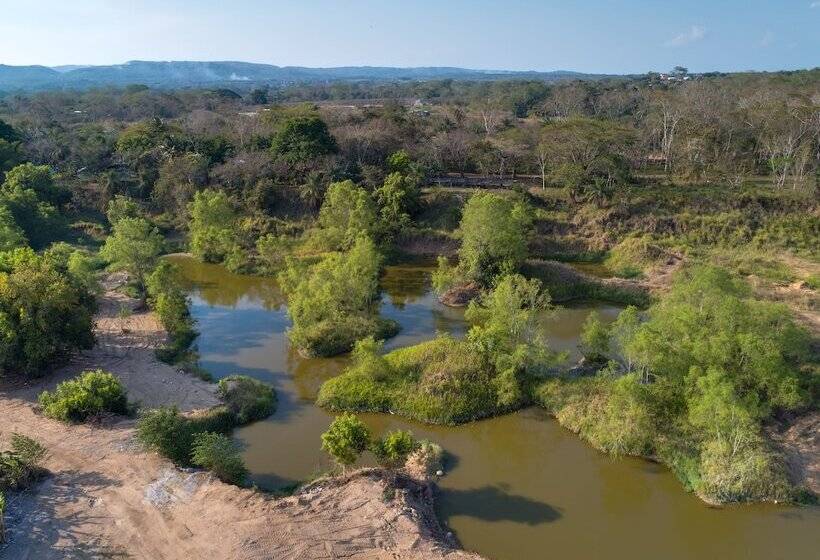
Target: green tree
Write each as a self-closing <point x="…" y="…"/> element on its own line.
<point x="37" y="178"/>
<point x="397" y="199"/>
<point x="10" y="154"/>
<point x="302" y="138"/>
<point x="213" y="226"/>
<point x="11" y="235"/>
<point x="494" y="231"/>
<point x="44" y="316"/>
<point x="507" y="331"/>
<point x="133" y="246"/>
<point x="346" y="439"/>
<point x="347" y="213"/>
<point x="331" y="303"/>
<point x="121" y="207"/>
<point x="595" y="339"/>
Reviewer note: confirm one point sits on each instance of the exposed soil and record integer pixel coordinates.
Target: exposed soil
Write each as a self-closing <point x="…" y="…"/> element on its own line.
<point x="798" y="439"/>
<point x="107" y="498"/>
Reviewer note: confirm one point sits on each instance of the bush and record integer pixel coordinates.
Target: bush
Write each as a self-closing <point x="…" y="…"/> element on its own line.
<point x="92" y="392"/>
<point x="167" y="432"/>
<point x="218" y="454"/>
<point x="346" y="439"/>
<point x="393" y="448"/>
<point x="172" y="434"/>
<point x="247" y="398"/>
<point x="20" y="466"/>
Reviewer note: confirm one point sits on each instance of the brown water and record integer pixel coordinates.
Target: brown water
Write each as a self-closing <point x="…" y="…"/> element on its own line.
<point x="517" y="487"/>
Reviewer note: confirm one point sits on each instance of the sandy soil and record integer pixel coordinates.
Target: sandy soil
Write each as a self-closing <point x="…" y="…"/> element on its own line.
<point x="107" y="498"/>
<point x="798" y="439"/>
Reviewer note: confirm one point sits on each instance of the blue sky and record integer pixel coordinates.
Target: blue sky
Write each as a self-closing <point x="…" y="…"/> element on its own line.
<point x="590" y="35"/>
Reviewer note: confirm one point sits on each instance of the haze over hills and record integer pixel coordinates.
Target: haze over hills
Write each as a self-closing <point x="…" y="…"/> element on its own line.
<point x="175" y="74"/>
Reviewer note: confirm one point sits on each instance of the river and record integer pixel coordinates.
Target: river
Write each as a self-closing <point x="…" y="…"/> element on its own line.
<point x="518" y="486"/>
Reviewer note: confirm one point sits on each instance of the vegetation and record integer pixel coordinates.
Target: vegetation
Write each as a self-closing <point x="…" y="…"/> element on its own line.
<point x="169" y="302"/>
<point x="247" y="398"/>
<point x="201" y="439"/>
<point x="172" y="434"/>
<point x="346" y="439"/>
<point x="702" y="372"/>
<point x="89" y="394"/>
<point x="219" y="454"/>
<point x="134" y="246"/>
<point x="493" y="234"/>
<point x="213" y="229"/>
<point x="20" y="466"/>
<point x="451" y="381"/>
<point x="393" y="449"/>
<point x="334" y="303"/>
<point x="45" y="311"/>
<point x="638" y="174"/>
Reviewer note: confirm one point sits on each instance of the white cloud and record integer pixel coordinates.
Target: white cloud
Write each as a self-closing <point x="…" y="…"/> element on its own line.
<point x="814" y="5"/>
<point x="695" y="33"/>
<point x="767" y="40"/>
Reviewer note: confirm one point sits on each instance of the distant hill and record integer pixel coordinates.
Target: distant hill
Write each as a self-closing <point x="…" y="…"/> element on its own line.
<point x="198" y="74"/>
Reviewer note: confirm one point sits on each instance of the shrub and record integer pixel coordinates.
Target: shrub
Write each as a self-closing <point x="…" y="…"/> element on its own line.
<point x="346" y="439"/>
<point x="167" y="432"/>
<point x="92" y="392"/>
<point x="247" y="398"/>
<point x="392" y="449"/>
<point x="172" y="434"/>
<point x="20" y="466"/>
<point x="595" y="339"/>
<point x="218" y="454"/>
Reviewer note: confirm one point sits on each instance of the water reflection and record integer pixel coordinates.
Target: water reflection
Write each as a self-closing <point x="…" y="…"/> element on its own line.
<point x="518" y="486"/>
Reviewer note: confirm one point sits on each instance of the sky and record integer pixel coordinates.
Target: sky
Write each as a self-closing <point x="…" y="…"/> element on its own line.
<point x="630" y="36"/>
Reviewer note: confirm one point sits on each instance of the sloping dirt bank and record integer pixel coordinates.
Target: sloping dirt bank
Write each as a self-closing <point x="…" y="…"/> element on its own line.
<point x="106" y="498"/>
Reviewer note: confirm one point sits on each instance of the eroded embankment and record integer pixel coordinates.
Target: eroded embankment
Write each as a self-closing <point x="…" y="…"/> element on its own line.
<point x="105" y="497"/>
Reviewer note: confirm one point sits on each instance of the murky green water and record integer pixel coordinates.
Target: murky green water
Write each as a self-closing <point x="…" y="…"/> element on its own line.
<point x="517" y="487"/>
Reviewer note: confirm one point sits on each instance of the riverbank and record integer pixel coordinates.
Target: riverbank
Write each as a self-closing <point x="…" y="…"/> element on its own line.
<point x="106" y="497"/>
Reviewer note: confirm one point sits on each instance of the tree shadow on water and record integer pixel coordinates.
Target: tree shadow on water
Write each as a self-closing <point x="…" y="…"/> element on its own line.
<point x="495" y="503"/>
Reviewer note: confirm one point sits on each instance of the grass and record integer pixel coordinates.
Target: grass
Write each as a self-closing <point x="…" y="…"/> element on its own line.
<point x="337" y="336"/>
<point x="442" y="381"/>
